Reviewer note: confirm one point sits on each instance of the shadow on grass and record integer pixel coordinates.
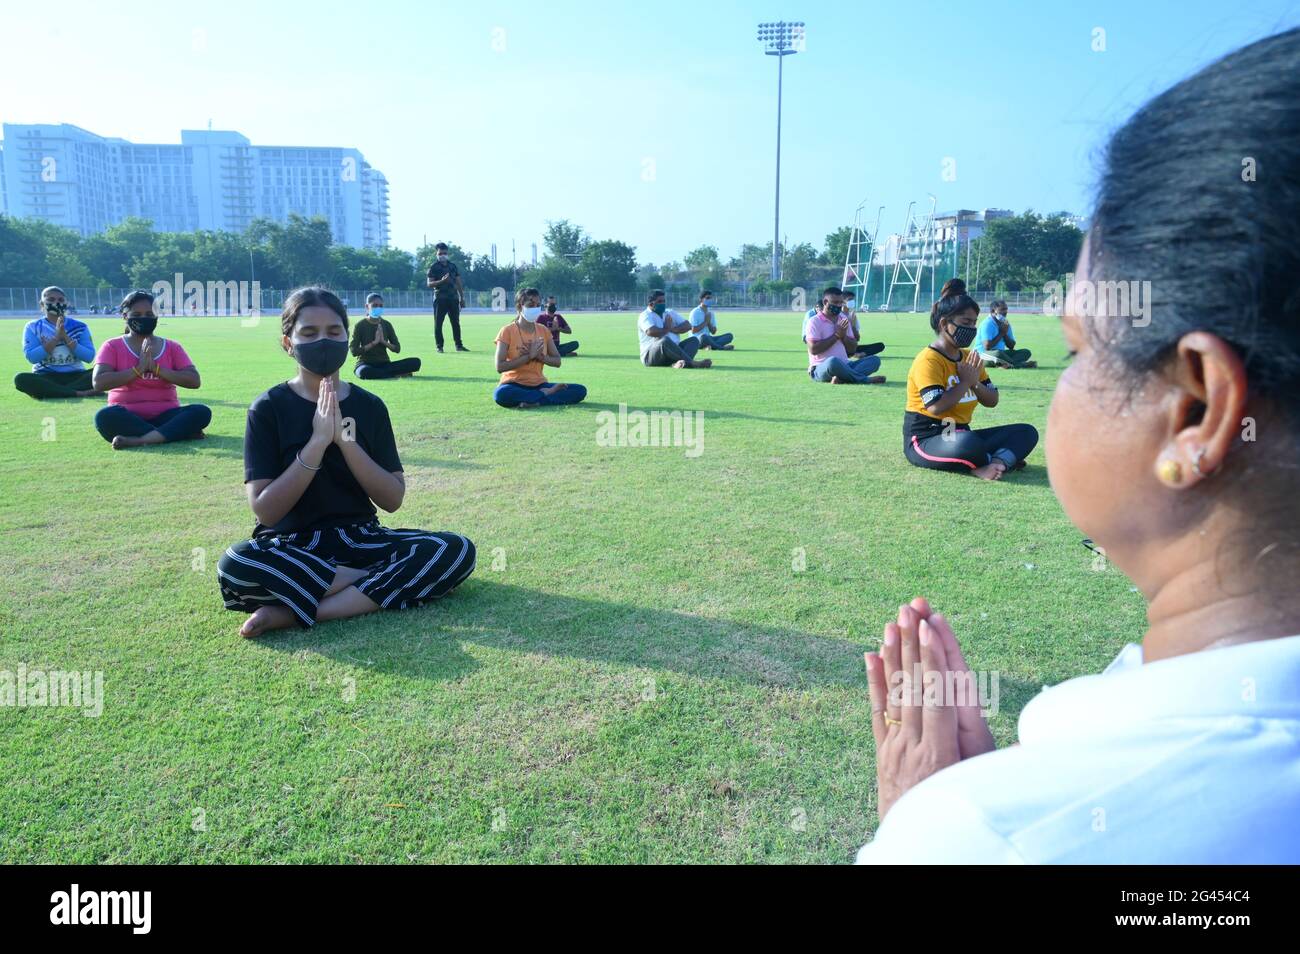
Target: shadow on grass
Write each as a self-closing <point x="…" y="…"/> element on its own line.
<point x="226" y="445"/>
<point x="426" y="643"/>
<point x="708" y="412"/>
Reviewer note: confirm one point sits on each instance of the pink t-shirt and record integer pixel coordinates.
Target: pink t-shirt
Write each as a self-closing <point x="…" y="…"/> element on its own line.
<point x="817" y="328"/>
<point x="151" y="395"/>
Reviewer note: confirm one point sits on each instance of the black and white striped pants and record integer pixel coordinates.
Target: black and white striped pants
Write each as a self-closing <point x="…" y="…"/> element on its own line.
<point x="406" y="567"/>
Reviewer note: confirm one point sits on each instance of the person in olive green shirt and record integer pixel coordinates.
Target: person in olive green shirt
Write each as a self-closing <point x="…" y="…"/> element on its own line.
<point x="372" y="339"/>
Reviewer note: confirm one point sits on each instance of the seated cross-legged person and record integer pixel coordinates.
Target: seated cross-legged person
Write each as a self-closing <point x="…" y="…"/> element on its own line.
<point x="319" y="457"/>
<point x="524" y="347"/>
<point x="831" y="337"/>
<point x="996" y="343"/>
<point x="554" y="322"/>
<point x="141" y="372"/>
<point x="57" y="348"/>
<point x="850" y="309"/>
<point x="660" y="329"/>
<point x="372" y="339"/>
<point x="704" y="326"/>
<point x="944" y="386"/>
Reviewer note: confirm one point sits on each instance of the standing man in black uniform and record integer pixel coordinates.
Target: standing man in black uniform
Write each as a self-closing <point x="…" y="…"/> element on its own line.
<point x="448" y="296"/>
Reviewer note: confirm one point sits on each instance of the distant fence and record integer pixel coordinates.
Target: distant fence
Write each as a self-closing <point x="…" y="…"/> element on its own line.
<point x="241" y="300"/>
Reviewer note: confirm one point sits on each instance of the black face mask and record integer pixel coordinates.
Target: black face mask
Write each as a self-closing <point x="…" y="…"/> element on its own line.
<point x="550" y="309"/>
<point x="963" y="335"/>
<point x="659" y="308"/>
<point x="55" y="308"/>
<point x="323" y="356"/>
<point x="142" y="324"/>
<point x="832" y="310"/>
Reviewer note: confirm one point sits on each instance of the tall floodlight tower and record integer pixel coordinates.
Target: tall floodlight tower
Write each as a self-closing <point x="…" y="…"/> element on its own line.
<point x="781" y="39"/>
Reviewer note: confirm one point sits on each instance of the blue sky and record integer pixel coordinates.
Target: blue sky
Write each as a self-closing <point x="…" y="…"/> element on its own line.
<point x="653" y="123"/>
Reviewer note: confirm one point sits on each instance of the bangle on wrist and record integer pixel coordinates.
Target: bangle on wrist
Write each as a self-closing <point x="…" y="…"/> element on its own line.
<point x="298" y="457"/>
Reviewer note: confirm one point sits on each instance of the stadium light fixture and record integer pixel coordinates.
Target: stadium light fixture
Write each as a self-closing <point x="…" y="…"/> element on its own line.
<point x="781" y="39"/>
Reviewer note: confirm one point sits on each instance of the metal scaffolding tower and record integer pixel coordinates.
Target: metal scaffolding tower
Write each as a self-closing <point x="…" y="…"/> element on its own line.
<point x="915" y="253"/>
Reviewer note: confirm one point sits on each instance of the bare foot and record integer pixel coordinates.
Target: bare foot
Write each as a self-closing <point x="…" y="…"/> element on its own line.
<point x="553" y="388"/>
<point x="679" y="364"/>
<point x="706" y="363"/>
<point x="1031" y="364"/>
<point x="265" y="619"/>
<point x="121" y="441"/>
<point x="836" y="379"/>
<point x="525" y="407"/>
<point x="728" y="347"/>
<point x="993" y="470"/>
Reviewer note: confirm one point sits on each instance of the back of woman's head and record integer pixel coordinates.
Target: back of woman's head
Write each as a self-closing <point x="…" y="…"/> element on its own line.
<point x="953" y="300"/>
<point x="1200" y="198"/>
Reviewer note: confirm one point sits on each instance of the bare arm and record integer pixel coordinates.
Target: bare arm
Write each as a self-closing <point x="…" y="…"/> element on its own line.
<point x="272" y="500"/>
<point x="551" y="356"/>
<point x="385" y="487"/>
<point x="182" y="377"/>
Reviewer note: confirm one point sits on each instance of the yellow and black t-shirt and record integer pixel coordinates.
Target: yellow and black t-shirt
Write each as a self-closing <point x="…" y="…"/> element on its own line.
<point x="931" y="374"/>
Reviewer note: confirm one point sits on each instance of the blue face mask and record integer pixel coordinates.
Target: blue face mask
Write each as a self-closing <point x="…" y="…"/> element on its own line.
<point x="376" y="311"/>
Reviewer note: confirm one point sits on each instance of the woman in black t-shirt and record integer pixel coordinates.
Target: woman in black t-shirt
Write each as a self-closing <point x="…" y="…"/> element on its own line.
<point x="318" y="455"/>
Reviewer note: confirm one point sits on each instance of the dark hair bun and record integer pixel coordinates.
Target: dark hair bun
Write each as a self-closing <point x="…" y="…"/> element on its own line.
<point x="953" y="287"/>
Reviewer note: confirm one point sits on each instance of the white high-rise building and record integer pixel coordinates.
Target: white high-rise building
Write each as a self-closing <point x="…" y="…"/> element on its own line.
<point x="213" y="180"/>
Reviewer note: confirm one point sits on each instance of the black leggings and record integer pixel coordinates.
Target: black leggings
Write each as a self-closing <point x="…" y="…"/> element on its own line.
<point x="388" y="369"/>
<point x="963" y="450"/>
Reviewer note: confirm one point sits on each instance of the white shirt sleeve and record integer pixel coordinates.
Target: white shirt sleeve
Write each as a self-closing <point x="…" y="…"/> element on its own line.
<point x="931" y="826"/>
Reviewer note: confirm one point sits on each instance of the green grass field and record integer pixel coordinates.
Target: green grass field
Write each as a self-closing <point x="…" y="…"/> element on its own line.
<point x="635" y="673"/>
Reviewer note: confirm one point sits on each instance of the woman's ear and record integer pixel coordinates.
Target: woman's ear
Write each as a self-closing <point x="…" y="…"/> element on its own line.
<point x="286" y="344"/>
<point x="1209" y="393"/>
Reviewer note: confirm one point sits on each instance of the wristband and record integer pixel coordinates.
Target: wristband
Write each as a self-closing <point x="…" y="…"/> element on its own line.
<point x="298" y="457"/>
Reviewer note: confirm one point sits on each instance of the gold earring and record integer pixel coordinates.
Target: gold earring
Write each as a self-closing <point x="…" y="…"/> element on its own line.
<point x="1171" y="472"/>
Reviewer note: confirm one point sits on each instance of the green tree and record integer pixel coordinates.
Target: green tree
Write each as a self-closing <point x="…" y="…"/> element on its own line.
<point x="552" y="276"/>
<point x="1016" y="253"/>
<point x="837" y="246"/>
<point x="565" y="240"/>
<point x="609" y="265"/>
<point x="703" y="259"/>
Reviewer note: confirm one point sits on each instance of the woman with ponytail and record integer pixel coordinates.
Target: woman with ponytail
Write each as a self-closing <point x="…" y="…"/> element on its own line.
<point x="319" y="455"/>
<point x="946" y="382"/>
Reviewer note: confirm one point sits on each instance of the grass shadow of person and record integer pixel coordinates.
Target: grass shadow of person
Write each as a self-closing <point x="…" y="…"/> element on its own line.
<point x="427" y="643"/>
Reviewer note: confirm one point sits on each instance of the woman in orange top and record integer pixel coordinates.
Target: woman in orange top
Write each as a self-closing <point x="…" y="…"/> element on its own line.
<point x="523" y="347"/>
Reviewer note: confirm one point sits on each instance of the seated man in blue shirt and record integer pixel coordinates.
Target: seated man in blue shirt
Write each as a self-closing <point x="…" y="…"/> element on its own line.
<point x="58" y="348"/>
<point x="996" y="343"/>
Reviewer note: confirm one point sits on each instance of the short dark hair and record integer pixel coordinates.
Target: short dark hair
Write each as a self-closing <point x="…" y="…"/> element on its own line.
<point x="705" y="294"/>
<point x="656" y="293"/>
<point x="997" y="303"/>
<point x="309" y="297"/>
<point x="832" y="290"/>
<point x="440" y="247"/>
<point x="374" y="296"/>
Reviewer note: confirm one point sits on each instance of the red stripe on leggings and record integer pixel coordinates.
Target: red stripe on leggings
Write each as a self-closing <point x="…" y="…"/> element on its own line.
<point x="943" y="460"/>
